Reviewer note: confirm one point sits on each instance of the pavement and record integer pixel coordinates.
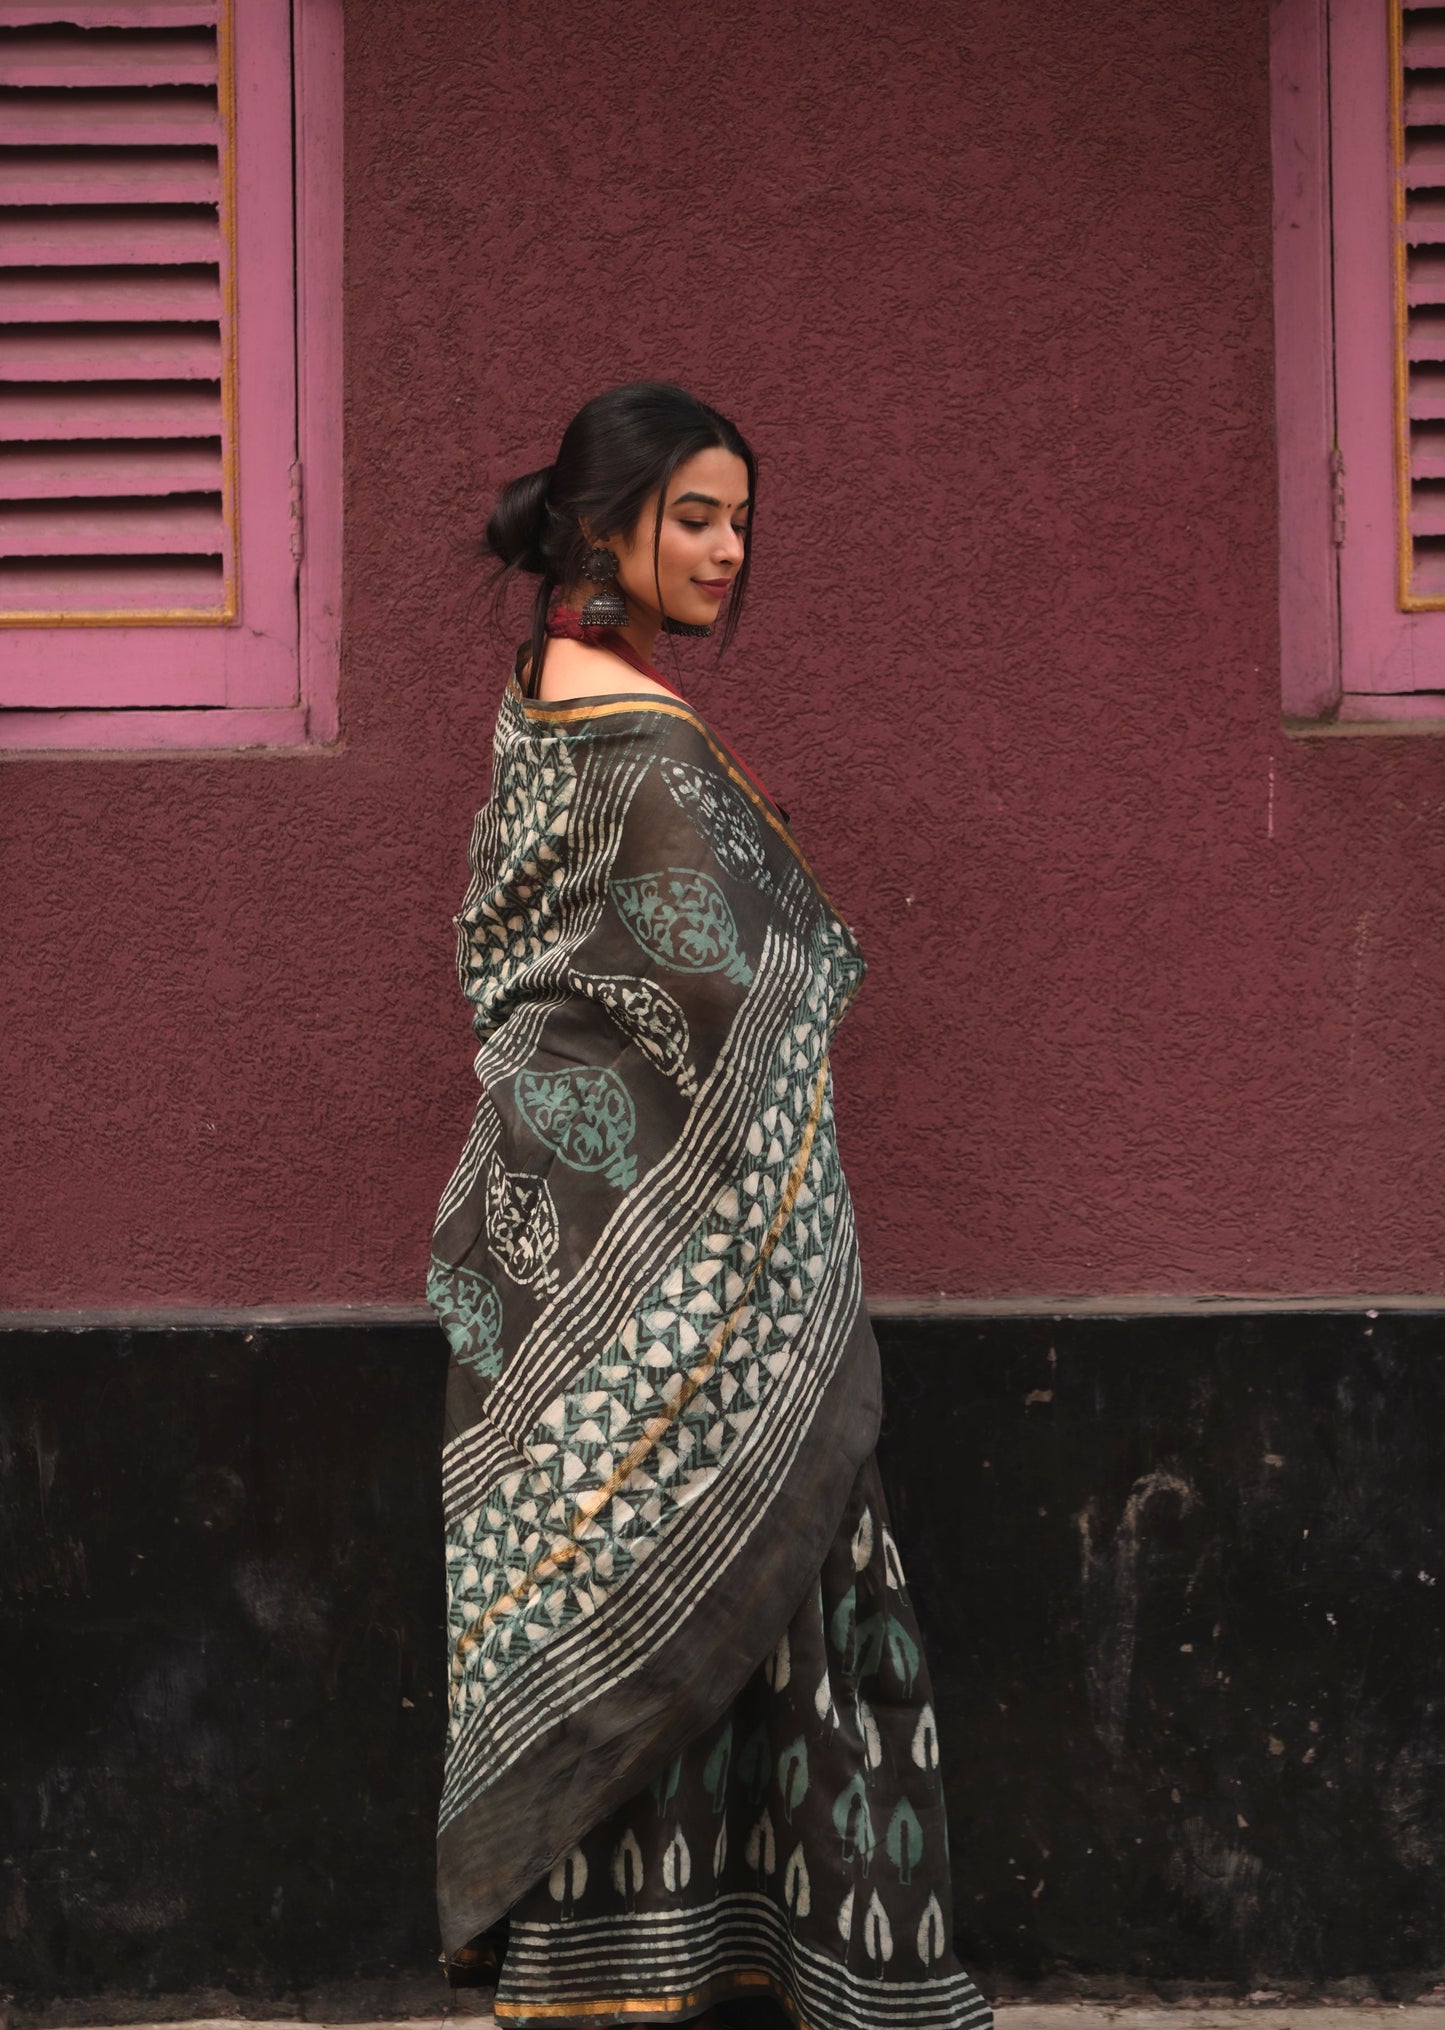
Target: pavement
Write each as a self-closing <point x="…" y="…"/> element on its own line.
<point x="1270" y="2015"/>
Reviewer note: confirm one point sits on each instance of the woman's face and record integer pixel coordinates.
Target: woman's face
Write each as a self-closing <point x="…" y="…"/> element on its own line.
<point x="703" y="525"/>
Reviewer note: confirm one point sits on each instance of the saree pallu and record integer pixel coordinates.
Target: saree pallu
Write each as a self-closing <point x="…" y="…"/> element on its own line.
<point x="691" y="1750"/>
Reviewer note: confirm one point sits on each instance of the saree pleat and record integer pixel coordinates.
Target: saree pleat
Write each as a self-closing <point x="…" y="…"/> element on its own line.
<point x="691" y="1750"/>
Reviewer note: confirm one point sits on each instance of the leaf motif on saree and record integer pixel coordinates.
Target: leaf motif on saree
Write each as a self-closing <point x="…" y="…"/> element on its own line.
<point x="925" y="1740"/>
<point x="715" y="1773"/>
<point x="584" y="1115"/>
<point x="722" y="817"/>
<point x="761" y="1851"/>
<point x="854" y="1821"/>
<point x="470" y="1311"/>
<point x="877" y="1931"/>
<point x="797" y="1890"/>
<point x="568" y="1879"/>
<point x="681" y="917"/>
<point x="522" y="1226"/>
<point x="793" y="1775"/>
<point x="903" y="1842"/>
<point x="649" y="1015"/>
<point x="677" y="1862"/>
<point x="627" y="1876"/>
<point x="932" y="1938"/>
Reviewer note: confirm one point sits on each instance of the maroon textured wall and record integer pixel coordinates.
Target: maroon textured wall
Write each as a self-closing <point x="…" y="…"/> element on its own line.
<point x="1154" y="992"/>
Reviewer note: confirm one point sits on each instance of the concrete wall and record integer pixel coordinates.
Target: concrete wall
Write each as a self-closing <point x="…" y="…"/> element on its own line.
<point x="1153" y="991"/>
<point x="1179" y="1585"/>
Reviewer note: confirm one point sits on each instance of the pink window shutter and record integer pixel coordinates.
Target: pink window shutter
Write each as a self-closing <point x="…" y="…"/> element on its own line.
<point x="147" y="356"/>
<point x="1389" y="307"/>
<point x="1359" y="128"/>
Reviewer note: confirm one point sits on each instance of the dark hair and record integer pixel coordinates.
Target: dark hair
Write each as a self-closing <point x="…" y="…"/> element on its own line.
<point x="619" y="448"/>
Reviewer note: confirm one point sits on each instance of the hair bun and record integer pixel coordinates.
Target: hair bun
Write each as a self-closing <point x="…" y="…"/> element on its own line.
<point x="517" y="524"/>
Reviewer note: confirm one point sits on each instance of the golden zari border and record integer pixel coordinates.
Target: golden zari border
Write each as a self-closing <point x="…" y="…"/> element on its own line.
<point x="720" y="1990"/>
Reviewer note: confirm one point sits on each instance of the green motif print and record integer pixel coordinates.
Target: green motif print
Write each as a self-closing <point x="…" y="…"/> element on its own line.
<point x="682" y="918"/>
<point x="470" y="1311"/>
<point x="584" y="1115"/>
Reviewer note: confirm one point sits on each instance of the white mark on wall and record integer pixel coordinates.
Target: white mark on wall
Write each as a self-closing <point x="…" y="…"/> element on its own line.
<point x="1224" y="1879"/>
<point x="1110" y="1578"/>
<point x="1269" y="818"/>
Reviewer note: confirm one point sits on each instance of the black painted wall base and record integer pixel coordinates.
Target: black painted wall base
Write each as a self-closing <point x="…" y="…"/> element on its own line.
<point x="1182" y="1580"/>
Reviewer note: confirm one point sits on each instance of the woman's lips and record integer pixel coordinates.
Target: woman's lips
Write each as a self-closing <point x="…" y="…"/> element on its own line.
<point x="716" y="586"/>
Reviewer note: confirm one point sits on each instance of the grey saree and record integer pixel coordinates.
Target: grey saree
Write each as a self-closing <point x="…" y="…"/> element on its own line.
<point x="691" y="1753"/>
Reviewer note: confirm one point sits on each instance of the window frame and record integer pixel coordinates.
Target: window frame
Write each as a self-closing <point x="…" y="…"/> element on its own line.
<point x="313" y="720"/>
<point x="1317" y="490"/>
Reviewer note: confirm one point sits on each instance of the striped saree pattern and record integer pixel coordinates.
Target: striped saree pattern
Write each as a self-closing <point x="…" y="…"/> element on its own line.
<point x="691" y="1752"/>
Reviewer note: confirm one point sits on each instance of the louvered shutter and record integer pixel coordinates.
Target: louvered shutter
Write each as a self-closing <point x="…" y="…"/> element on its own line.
<point x="1417" y="64"/>
<point x="147" y="355"/>
<point x="1387" y="211"/>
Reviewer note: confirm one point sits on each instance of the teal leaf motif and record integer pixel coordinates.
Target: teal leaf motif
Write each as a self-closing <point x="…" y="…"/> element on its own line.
<point x="755" y="1765"/>
<point x="884" y="1634"/>
<point x="585" y="1115"/>
<point x="470" y="1312"/>
<point x="664" y="1785"/>
<point x="854" y="1822"/>
<point x="903" y="1843"/>
<point x="793" y="1776"/>
<point x="715" y="1770"/>
<point x="902" y="1653"/>
<point x="681" y="917"/>
<point x="869" y="1644"/>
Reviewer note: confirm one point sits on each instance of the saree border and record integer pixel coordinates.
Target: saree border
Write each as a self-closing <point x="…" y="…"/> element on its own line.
<point x="725" y="1988"/>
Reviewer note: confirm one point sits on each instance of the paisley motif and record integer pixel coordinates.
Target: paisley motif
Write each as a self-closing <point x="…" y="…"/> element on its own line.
<point x="470" y="1311"/>
<point x="522" y="1226"/>
<point x="585" y="1115"/>
<point x="722" y="817"/>
<point x="682" y="918"/>
<point x="649" y="1015"/>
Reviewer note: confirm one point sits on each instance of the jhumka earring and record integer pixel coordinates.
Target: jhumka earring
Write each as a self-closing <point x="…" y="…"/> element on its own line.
<point x="671" y="626"/>
<point x="606" y="607"/>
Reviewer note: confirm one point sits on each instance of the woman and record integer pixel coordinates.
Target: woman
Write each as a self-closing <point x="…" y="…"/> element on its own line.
<point x="692" y="1765"/>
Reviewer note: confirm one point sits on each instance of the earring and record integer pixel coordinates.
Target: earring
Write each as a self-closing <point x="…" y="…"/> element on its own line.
<point x="671" y="626"/>
<point x="606" y="607"/>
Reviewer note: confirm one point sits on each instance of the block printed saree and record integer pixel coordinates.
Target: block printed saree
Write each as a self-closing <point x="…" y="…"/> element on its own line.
<point x="691" y="1752"/>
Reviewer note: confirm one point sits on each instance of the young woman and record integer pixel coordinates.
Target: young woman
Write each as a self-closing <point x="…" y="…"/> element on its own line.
<point x="692" y="1763"/>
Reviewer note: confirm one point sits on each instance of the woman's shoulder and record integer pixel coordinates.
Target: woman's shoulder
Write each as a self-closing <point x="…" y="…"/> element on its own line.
<point x="578" y="669"/>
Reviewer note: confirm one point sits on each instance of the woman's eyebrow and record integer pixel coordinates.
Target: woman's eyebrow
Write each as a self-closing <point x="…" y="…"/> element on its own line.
<point x="706" y="499"/>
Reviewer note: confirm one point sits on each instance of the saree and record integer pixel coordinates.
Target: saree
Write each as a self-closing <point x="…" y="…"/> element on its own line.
<point x="691" y="1753"/>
